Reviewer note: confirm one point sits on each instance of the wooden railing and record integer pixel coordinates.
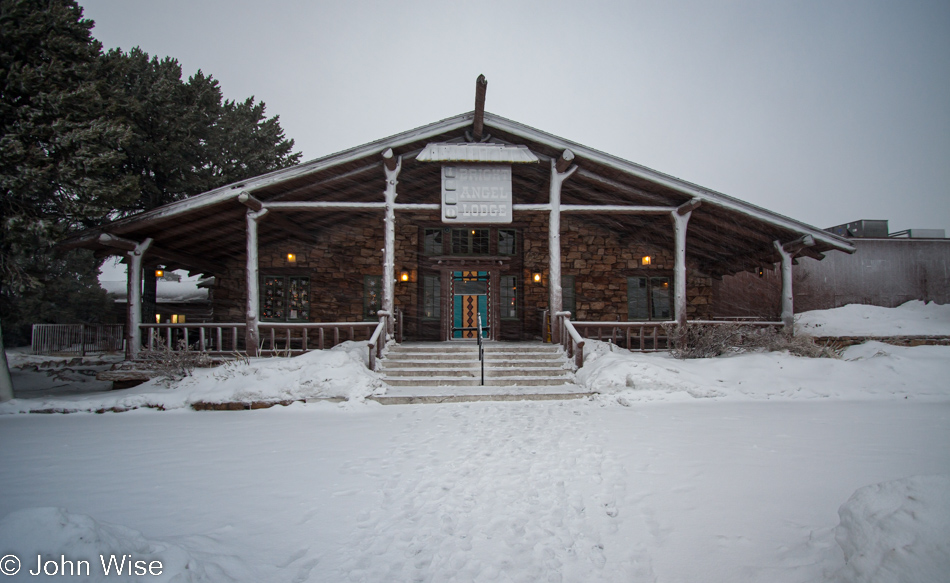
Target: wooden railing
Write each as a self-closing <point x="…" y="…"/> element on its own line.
<point x="211" y="337"/>
<point x="76" y="338"/>
<point x="569" y="337"/>
<point x="285" y="338"/>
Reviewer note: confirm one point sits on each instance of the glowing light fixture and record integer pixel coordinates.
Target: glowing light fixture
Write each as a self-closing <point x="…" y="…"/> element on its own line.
<point x="646" y="260"/>
<point x="159" y="273"/>
<point x="403" y="276"/>
<point x="158" y="318"/>
<point x="291" y="258"/>
<point x="536" y="277"/>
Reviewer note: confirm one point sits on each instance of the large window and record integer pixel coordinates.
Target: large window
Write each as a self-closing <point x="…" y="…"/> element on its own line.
<point x="648" y="298"/>
<point x="509" y="296"/>
<point x="431" y="297"/>
<point x="285" y="299"/>
<point x="372" y="296"/>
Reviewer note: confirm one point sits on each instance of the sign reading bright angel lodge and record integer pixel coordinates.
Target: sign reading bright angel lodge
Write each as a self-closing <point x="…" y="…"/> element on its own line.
<point x="474" y="217"/>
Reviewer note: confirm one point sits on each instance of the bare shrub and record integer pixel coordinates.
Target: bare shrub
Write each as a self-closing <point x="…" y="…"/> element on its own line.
<point x="709" y="340"/>
<point x="173" y="365"/>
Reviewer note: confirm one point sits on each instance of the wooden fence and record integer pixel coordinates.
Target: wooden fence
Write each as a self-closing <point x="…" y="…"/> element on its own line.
<point x="77" y="339"/>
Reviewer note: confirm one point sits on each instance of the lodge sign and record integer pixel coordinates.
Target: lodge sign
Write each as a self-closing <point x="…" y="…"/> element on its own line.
<point x="476" y="194"/>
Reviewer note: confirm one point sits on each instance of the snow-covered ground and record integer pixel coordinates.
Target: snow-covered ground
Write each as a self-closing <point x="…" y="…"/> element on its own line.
<point x="753" y="467"/>
<point x="914" y="318"/>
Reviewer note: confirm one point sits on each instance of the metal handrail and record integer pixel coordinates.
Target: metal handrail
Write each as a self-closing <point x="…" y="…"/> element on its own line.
<point x="481" y="347"/>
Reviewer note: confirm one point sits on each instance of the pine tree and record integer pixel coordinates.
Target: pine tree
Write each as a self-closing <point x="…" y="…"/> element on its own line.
<point x="59" y="150"/>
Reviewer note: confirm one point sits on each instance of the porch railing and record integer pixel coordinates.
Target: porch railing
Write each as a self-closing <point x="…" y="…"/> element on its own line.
<point x="287" y="338"/>
<point x="649" y="336"/>
<point x="569" y="337"/>
<point x="211" y="337"/>
<point x="76" y="338"/>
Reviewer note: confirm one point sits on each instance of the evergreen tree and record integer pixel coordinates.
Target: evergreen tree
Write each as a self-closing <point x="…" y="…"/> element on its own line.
<point x="59" y="152"/>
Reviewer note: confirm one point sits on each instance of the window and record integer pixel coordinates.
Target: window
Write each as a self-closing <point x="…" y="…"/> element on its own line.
<point x="432" y="244"/>
<point x="285" y="299"/>
<point x="648" y="298"/>
<point x="431" y="297"/>
<point x="509" y="296"/>
<point x="470" y="241"/>
<point x="372" y="296"/>
<point x="568" y="303"/>
<point x="507" y="239"/>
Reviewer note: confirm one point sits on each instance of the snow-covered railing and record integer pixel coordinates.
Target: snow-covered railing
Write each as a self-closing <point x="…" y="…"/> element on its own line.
<point x="212" y="337"/>
<point x="76" y="338"/>
<point x="569" y="337"/>
<point x="378" y="340"/>
<point x="300" y="337"/>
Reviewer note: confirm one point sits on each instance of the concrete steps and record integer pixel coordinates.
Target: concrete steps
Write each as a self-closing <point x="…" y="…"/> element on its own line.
<point x="456" y="364"/>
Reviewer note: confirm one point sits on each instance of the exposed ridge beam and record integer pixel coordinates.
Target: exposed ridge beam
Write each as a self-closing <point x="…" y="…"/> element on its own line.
<point x="565" y="161"/>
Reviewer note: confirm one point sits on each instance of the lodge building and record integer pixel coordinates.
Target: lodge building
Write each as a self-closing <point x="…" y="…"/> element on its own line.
<point x="474" y="216"/>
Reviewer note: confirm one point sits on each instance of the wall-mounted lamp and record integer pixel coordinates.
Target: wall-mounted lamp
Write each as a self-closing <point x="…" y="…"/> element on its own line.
<point x="158" y="318"/>
<point x="159" y="273"/>
<point x="536" y="277"/>
<point x="403" y="276"/>
<point x="646" y="260"/>
<point x="761" y="271"/>
<point x="291" y="258"/>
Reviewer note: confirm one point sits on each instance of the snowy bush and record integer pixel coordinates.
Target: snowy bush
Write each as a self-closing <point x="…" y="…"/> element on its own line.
<point x="709" y="340"/>
<point x="173" y="365"/>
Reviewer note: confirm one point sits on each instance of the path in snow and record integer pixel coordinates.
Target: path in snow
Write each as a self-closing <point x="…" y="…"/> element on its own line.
<point x="472" y="492"/>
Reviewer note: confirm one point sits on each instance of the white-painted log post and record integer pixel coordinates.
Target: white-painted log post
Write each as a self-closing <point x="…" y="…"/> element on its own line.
<point x="134" y="307"/>
<point x="786" y="253"/>
<point x="252" y="338"/>
<point x="680" y="218"/>
<point x="788" y="305"/>
<point x="391" y="165"/>
<point x="561" y="170"/>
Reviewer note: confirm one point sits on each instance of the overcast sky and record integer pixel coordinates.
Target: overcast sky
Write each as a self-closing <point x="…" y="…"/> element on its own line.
<point x="824" y="111"/>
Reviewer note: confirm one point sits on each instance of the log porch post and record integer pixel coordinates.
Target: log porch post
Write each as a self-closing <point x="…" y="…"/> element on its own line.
<point x="133" y="309"/>
<point x="391" y="165"/>
<point x="680" y="218"/>
<point x="252" y="335"/>
<point x="786" y="254"/>
<point x="561" y="170"/>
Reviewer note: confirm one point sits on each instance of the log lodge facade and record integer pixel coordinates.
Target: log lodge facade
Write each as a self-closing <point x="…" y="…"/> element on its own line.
<point x="387" y="236"/>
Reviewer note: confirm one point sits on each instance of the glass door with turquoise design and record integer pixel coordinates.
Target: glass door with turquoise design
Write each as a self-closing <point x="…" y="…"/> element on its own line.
<point x="470" y="299"/>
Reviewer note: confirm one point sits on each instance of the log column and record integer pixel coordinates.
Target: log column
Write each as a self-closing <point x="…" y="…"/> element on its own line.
<point x="786" y="255"/>
<point x="252" y="334"/>
<point x="133" y="315"/>
<point x="391" y="165"/>
<point x="561" y="170"/>
<point x="680" y="218"/>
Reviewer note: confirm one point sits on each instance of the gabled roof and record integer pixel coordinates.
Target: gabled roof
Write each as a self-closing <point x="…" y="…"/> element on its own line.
<point x="729" y="234"/>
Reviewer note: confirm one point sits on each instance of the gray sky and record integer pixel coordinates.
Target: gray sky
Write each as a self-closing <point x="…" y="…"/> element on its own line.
<point x="825" y="111"/>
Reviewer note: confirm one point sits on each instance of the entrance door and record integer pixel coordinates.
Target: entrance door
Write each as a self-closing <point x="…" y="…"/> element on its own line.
<point x="471" y="292"/>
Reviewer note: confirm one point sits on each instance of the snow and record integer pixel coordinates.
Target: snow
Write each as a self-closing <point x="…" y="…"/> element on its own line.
<point x="336" y="373"/>
<point x="897" y="531"/>
<point x="750" y="467"/>
<point x="914" y="318"/>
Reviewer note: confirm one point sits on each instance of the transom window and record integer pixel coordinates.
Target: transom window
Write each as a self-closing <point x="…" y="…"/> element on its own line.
<point x="648" y="298"/>
<point x="470" y="241"/>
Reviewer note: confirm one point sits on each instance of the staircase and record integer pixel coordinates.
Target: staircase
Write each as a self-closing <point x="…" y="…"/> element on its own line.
<point x="456" y="364"/>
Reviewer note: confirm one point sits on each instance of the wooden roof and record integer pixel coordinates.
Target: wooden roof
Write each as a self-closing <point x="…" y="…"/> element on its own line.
<point x="725" y="235"/>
